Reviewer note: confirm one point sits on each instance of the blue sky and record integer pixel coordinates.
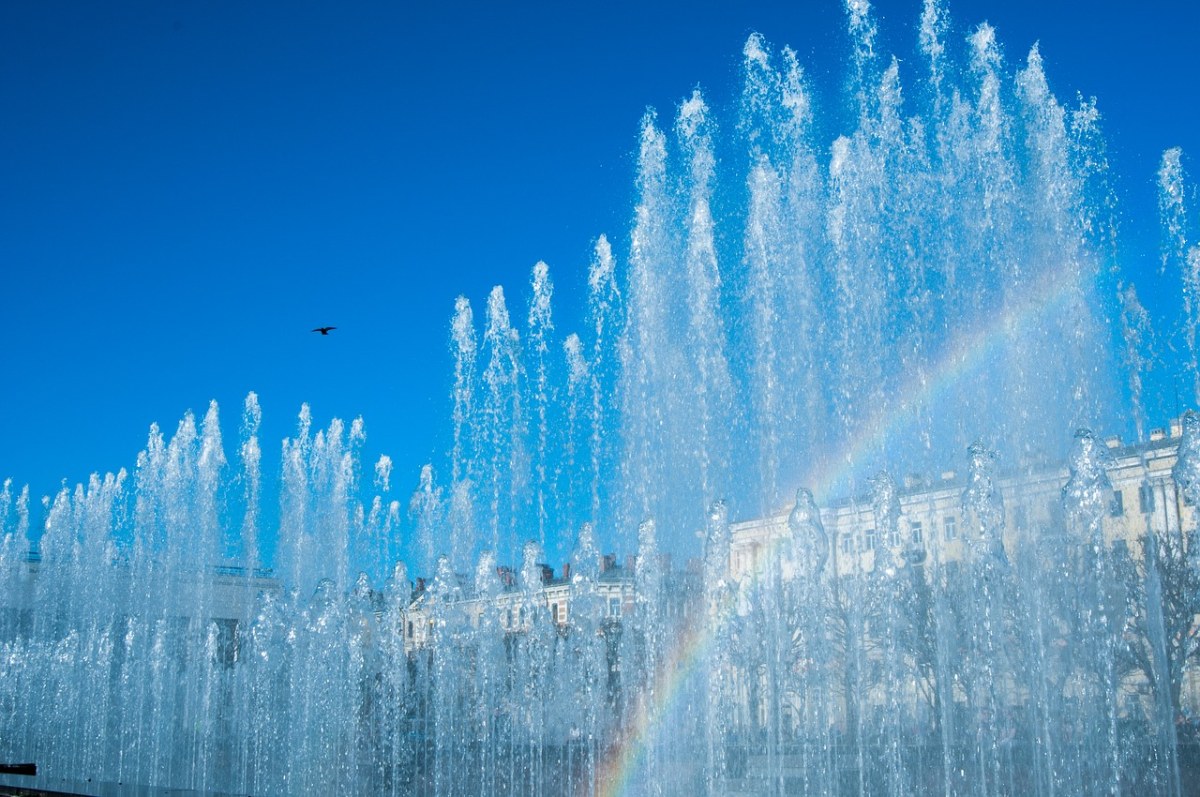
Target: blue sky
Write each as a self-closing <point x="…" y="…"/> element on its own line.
<point x="189" y="188"/>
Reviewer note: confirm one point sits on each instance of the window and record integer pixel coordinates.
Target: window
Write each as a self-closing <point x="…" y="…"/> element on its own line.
<point x="950" y="528"/>
<point x="893" y="536"/>
<point x="226" y="654"/>
<point x="1146" y="498"/>
<point x="410" y="629"/>
<point x="1116" y="507"/>
<point x="847" y="543"/>
<point x="916" y="533"/>
<point x="871" y="539"/>
<point x="554" y="612"/>
<point x="614" y="607"/>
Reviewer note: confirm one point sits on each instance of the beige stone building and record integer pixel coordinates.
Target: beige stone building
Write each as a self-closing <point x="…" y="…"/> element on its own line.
<point x="1145" y="499"/>
<point x="509" y="608"/>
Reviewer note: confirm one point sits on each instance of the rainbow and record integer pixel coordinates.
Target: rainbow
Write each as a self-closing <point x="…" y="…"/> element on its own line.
<point x="965" y="355"/>
<point x="961" y="359"/>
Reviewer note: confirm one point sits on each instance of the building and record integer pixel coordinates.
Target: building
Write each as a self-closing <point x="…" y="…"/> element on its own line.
<point x="1145" y="498"/>
<point x="933" y="528"/>
<point x="512" y="614"/>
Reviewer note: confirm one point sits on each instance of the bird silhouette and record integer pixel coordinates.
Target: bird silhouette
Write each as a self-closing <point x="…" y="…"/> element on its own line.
<point x="324" y="330"/>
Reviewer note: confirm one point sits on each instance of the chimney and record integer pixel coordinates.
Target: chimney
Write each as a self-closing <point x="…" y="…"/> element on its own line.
<point x="631" y="563"/>
<point x="547" y="573"/>
<point x="420" y="585"/>
<point x="1157" y="434"/>
<point x="948" y="475"/>
<point x="608" y="562"/>
<point x="1176" y="427"/>
<point x="566" y="571"/>
<point x="1113" y="441"/>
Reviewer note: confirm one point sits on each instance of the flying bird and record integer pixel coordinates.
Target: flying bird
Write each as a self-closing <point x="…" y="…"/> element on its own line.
<point x="324" y="330"/>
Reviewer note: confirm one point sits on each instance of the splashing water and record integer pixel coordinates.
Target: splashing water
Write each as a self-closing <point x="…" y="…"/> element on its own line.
<point x="812" y="301"/>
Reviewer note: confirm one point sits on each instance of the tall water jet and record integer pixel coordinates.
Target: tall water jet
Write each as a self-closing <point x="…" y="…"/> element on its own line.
<point x="578" y="379"/>
<point x="1180" y="254"/>
<point x="1137" y="335"/>
<point x="604" y="305"/>
<point x="646" y="356"/>
<point x="710" y="384"/>
<point x="251" y="456"/>
<point x="462" y="331"/>
<point x="426" y="508"/>
<point x="503" y="423"/>
<point x="541" y="326"/>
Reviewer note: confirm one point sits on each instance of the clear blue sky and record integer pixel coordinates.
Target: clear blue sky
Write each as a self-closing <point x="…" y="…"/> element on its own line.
<point x="188" y="188"/>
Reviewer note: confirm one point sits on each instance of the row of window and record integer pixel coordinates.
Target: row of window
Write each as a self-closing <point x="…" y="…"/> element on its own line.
<point x="1146" y="501"/>
<point x="1146" y="505"/>
<point x="916" y="531"/>
<point x="515" y="618"/>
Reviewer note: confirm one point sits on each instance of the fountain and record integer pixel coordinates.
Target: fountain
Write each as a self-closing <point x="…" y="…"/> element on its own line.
<point x="798" y="315"/>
